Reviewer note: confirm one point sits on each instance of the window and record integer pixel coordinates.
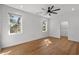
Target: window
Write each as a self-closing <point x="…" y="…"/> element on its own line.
<point x="15" y="23"/>
<point x="44" y="26"/>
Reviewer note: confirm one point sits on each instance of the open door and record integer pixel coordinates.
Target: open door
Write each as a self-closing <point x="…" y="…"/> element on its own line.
<point x="64" y="29"/>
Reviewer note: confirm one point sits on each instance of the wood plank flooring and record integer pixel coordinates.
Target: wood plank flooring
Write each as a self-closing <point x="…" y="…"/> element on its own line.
<point x="45" y="46"/>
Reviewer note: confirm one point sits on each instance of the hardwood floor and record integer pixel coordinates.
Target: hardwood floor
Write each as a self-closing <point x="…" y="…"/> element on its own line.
<point x="46" y="46"/>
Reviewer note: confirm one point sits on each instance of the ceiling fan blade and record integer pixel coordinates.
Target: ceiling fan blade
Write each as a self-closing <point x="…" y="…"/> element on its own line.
<point x="49" y="14"/>
<point x="49" y="8"/>
<point x="54" y="13"/>
<point x="56" y="9"/>
<point x="52" y="6"/>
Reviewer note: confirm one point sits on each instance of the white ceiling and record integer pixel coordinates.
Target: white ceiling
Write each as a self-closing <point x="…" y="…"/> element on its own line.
<point x="36" y="8"/>
<point x="32" y="8"/>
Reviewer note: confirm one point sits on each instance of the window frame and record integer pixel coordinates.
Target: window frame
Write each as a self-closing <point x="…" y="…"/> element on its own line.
<point x="19" y="32"/>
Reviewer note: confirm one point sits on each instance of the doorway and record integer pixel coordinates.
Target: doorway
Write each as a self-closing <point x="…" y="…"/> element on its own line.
<point x="64" y="29"/>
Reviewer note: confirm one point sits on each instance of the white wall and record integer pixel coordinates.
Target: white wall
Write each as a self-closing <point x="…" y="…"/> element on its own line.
<point x="31" y="27"/>
<point x="74" y="26"/>
<point x="66" y="14"/>
<point x="0" y="25"/>
<point x="54" y="27"/>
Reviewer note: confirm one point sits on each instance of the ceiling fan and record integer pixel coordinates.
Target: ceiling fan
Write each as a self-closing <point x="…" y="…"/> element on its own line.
<point x="50" y="10"/>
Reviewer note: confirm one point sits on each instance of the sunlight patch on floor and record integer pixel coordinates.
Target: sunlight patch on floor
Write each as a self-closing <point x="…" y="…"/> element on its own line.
<point x="47" y="42"/>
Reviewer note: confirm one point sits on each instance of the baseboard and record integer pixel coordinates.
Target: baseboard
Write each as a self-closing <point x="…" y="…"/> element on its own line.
<point x="53" y="37"/>
<point x="64" y="36"/>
